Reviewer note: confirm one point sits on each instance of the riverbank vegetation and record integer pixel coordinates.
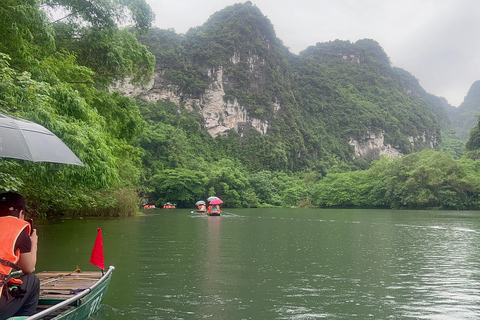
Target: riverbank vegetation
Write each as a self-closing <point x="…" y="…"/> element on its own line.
<point x="57" y="72"/>
<point x="192" y="169"/>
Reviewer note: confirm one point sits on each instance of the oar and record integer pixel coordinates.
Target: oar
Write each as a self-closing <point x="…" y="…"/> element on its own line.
<point x="229" y="213"/>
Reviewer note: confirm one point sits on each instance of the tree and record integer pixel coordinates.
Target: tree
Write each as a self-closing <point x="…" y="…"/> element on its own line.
<point x="473" y="142"/>
<point x="90" y="29"/>
<point x="103" y="13"/>
<point x="228" y="180"/>
<point x="181" y="186"/>
<point x="26" y="35"/>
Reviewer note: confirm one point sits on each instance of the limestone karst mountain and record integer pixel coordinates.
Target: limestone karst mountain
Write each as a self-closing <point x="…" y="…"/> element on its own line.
<point x="334" y="100"/>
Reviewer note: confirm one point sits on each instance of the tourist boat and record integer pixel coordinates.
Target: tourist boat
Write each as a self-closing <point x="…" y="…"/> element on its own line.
<point x="201" y="206"/>
<point x="214" y="210"/>
<point x="168" y="205"/>
<point x="214" y="214"/>
<point x="214" y="206"/>
<point x="70" y="295"/>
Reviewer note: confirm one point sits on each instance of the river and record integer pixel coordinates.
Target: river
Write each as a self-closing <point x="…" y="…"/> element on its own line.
<point x="279" y="263"/>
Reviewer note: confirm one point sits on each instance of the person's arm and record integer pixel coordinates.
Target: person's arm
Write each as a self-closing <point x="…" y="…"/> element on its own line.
<point x="28" y="260"/>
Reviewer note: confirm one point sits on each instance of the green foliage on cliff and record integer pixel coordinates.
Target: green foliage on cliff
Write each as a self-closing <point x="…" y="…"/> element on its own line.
<point x="352" y="90"/>
<point x="464" y="118"/>
<point x="314" y="103"/>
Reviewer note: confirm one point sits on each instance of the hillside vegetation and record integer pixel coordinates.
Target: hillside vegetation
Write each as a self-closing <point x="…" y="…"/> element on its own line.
<point x="136" y="151"/>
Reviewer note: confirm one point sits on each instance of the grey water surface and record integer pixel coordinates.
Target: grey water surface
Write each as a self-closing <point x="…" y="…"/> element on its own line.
<point x="279" y="263"/>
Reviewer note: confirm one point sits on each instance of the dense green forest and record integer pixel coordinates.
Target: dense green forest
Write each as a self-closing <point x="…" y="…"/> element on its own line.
<point x="58" y="71"/>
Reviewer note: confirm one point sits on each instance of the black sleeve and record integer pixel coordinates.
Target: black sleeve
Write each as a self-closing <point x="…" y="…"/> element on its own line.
<point x="24" y="243"/>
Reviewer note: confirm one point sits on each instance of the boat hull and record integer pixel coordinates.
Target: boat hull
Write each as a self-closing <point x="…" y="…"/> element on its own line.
<point x="56" y="304"/>
<point x="90" y="304"/>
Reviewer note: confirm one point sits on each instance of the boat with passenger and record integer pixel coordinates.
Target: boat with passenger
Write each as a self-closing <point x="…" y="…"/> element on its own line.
<point x="70" y="295"/>
<point x="214" y="206"/>
<point x="168" y="205"/>
<point x="214" y="210"/>
<point x="201" y="206"/>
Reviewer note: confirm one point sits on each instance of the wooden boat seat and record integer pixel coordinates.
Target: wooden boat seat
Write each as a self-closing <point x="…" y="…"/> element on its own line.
<point x="70" y="295"/>
<point x="56" y="287"/>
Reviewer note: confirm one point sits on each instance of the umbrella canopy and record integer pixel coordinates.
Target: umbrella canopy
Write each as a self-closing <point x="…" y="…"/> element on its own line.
<point x="216" y="201"/>
<point x="199" y="202"/>
<point x="209" y="199"/>
<point x="26" y="140"/>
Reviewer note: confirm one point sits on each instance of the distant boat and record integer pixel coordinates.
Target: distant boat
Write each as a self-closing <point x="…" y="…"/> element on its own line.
<point x="70" y="295"/>
<point x="214" y="210"/>
<point x="201" y="206"/>
<point x="168" y="205"/>
<point x="214" y="206"/>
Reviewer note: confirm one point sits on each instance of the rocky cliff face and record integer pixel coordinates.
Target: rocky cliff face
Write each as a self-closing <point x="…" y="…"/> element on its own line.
<point x="372" y="146"/>
<point x="223" y="70"/>
<point x="219" y="116"/>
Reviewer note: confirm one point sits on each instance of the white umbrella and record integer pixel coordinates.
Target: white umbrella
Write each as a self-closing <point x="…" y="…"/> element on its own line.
<point x="26" y="140"/>
<point x="212" y="198"/>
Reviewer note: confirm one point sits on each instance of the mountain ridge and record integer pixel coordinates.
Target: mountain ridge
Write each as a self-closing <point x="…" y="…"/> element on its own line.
<point x="334" y="100"/>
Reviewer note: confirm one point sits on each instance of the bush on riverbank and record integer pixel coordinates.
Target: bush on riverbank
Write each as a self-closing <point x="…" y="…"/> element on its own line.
<point x="423" y="180"/>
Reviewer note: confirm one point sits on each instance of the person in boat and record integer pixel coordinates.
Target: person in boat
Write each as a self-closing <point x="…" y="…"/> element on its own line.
<point x="18" y="251"/>
<point x="201" y="208"/>
<point x="213" y="209"/>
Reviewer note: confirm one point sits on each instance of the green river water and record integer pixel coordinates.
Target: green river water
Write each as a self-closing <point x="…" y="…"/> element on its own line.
<point x="279" y="263"/>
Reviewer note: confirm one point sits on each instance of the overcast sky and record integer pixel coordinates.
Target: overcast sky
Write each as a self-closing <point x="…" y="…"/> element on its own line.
<point x="435" y="40"/>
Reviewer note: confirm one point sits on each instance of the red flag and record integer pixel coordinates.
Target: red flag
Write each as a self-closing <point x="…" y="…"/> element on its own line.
<point x="97" y="254"/>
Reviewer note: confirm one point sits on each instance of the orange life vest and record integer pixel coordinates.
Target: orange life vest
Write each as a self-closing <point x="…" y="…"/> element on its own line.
<point x="10" y="229"/>
<point x="212" y="210"/>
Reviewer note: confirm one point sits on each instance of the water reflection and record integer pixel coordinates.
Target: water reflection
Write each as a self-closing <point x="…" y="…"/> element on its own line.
<point x="211" y="284"/>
